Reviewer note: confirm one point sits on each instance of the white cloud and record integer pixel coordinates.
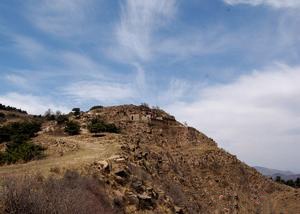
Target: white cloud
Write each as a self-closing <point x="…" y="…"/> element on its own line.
<point x="273" y="3"/>
<point x="32" y="104"/>
<point x="198" y="42"/>
<point x="256" y="117"/>
<point x="99" y="91"/>
<point x="28" y="46"/>
<point x="80" y="64"/>
<point x="139" y="21"/>
<point x="60" y="17"/>
<point x="177" y="89"/>
<point x="17" y="80"/>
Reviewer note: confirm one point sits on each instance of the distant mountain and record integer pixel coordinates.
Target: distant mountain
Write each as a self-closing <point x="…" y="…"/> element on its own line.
<point x="268" y="172"/>
<point x="285" y="175"/>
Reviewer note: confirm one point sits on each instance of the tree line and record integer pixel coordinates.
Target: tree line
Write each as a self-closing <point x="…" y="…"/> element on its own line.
<point x="291" y="183"/>
<point x="9" y="108"/>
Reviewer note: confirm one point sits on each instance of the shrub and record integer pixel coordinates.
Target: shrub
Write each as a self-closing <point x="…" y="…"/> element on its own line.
<point x="18" y="148"/>
<point x="49" y="115"/>
<point x="58" y="116"/>
<point x="278" y="179"/>
<point x="297" y="183"/>
<point x="24" y="151"/>
<point x="72" y="128"/>
<point x="4" y="134"/>
<point x="9" y="108"/>
<point x="61" y="119"/>
<point x="2" y="115"/>
<point x="70" y="194"/>
<point x="12" y="115"/>
<point x="76" y="111"/>
<point x="24" y="130"/>
<point x="97" y="125"/>
<point x="145" y="105"/>
<point x="96" y="107"/>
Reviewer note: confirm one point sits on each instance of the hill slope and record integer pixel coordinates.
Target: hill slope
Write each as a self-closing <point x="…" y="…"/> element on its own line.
<point x="158" y="165"/>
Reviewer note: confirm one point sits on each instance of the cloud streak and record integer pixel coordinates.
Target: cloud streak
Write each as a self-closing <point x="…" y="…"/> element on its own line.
<point x="105" y="92"/>
<point x="272" y="3"/>
<point x="255" y="117"/>
<point x="63" y="18"/>
<point x="139" y="21"/>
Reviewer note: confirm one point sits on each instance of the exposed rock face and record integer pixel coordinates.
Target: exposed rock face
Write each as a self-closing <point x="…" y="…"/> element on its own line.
<point x="167" y="167"/>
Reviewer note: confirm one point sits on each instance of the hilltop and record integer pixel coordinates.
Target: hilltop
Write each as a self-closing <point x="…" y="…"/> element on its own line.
<point x="155" y="164"/>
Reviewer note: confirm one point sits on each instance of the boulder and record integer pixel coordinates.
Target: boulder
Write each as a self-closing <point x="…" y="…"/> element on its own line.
<point x="103" y="165"/>
<point x="146" y="202"/>
<point x="178" y="210"/>
<point x="137" y="185"/>
<point x="132" y="198"/>
<point x="121" y="176"/>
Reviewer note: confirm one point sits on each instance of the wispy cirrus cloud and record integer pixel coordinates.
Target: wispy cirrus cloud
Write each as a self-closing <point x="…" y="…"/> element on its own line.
<point x="273" y="3"/>
<point x="28" y="46"/>
<point x="64" y="18"/>
<point x="17" y="80"/>
<point x="136" y="30"/>
<point x="104" y="92"/>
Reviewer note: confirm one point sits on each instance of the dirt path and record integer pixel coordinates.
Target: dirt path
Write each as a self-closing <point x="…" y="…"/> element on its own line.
<point x="90" y="149"/>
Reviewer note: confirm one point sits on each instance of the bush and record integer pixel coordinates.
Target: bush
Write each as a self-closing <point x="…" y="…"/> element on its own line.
<point x="16" y="151"/>
<point x="96" y="107"/>
<point x="58" y="116"/>
<point x="4" y="134"/>
<point x="76" y="111"/>
<point x="9" y="108"/>
<point x="61" y="119"/>
<point x="2" y="115"/>
<point x="49" y="115"/>
<point x="97" y="125"/>
<point x="24" y="130"/>
<point x="18" y="148"/>
<point x="72" y="128"/>
<point x="68" y="195"/>
<point x="145" y="105"/>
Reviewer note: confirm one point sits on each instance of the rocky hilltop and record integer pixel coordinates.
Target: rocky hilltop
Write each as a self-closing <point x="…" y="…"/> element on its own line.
<point x="158" y="165"/>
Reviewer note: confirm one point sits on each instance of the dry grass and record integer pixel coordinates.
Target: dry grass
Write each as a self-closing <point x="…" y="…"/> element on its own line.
<point x="70" y="194"/>
<point x="90" y="149"/>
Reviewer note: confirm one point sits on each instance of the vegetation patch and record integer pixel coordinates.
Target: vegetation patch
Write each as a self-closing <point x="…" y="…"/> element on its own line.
<point x="9" y="108"/>
<point x="24" y="151"/>
<point x="97" y="125"/>
<point x="291" y="183"/>
<point x="72" y="128"/>
<point x="96" y="107"/>
<point x="18" y="146"/>
<point x="71" y="194"/>
<point x="2" y="115"/>
<point x="19" y="131"/>
<point x="57" y="116"/>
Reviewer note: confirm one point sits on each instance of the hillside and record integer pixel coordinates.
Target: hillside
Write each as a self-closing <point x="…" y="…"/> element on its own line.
<point x="157" y="165"/>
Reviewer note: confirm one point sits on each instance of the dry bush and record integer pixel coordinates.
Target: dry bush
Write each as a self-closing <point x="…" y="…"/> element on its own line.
<point x="70" y="194"/>
<point x="175" y="192"/>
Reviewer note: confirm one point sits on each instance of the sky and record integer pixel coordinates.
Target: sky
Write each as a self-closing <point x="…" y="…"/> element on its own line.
<point x="229" y="68"/>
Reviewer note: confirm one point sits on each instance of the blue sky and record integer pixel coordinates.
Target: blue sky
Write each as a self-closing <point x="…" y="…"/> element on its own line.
<point x="227" y="67"/>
